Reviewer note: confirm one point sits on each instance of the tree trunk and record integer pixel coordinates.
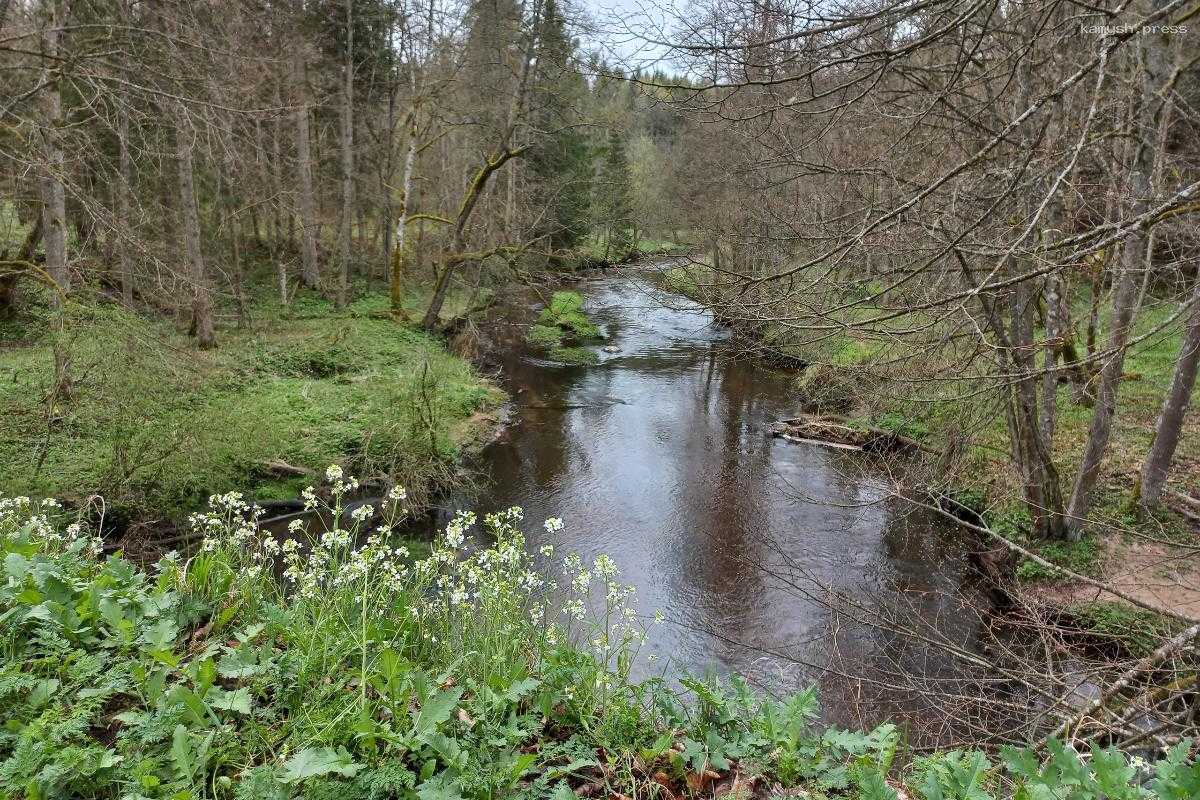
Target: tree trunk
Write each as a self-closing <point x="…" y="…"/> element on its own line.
<point x="396" y="283"/>
<point x="1043" y="495"/>
<point x="1054" y="345"/>
<point x="277" y="228"/>
<point x="310" y="274"/>
<point x="1154" y="47"/>
<point x="124" y="187"/>
<point x="456" y="257"/>
<point x="54" y="195"/>
<point x="202" y="313"/>
<point x="1174" y="409"/>
<point x="347" y="152"/>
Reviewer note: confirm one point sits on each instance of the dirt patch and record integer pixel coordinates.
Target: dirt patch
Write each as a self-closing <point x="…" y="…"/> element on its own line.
<point x="1163" y="576"/>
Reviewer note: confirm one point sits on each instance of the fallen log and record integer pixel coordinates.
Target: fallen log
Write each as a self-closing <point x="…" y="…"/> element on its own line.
<point x="824" y="431"/>
<point x="281" y="469"/>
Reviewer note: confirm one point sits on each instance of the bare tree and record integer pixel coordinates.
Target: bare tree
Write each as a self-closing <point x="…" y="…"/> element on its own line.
<point x="310" y="274"/>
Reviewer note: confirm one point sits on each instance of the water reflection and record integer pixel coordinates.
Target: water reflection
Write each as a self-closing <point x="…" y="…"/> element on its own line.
<point x="661" y="457"/>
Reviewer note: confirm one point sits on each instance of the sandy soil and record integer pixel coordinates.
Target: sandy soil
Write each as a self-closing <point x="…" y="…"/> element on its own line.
<point x="1163" y="576"/>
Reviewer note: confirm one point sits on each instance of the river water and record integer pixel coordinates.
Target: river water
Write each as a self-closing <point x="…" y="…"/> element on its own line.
<point x="787" y="563"/>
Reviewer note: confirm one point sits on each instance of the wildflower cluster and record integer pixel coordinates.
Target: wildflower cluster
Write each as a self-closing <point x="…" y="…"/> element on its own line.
<point x="35" y="522"/>
<point x="467" y="580"/>
<point x="373" y="670"/>
<point x="310" y="564"/>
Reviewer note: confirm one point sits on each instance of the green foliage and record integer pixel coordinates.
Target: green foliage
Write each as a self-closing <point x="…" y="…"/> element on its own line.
<point x="377" y="675"/>
<point x="544" y="335"/>
<point x="1137" y="629"/>
<point x="902" y="425"/>
<point x="614" y="206"/>
<point x="562" y="325"/>
<point x="155" y="426"/>
<point x="574" y="355"/>
<point x="1084" y="556"/>
<point x="565" y="312"/>
<point x="561" y="161"/>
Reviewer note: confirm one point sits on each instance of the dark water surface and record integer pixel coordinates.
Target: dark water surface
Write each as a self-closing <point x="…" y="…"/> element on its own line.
<point x="661" y="457"/>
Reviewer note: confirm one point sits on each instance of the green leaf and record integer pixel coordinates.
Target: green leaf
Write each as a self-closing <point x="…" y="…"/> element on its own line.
<point x="16" y="565"/>
<point x="181" y="752"/>
<point x="312" y="762"/>
<point x="435" y="710"/>
<point x="872" y="786"/>
<point x="237" y="701"/>
<point x="42" y="693"/>
<point x="521" y="689"/>
<point x="439" y="788"/>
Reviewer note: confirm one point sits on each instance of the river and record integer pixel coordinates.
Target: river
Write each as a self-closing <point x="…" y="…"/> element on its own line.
<point x="787" y="563"/>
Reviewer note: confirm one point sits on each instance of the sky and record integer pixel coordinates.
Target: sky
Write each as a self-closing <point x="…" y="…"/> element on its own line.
<point x="623" y="28"/>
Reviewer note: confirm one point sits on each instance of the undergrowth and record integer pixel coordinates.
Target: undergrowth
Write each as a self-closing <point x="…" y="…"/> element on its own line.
<point x="331" y="663"/>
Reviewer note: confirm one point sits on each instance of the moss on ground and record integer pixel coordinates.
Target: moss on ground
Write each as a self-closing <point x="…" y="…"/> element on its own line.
<point x="574" y="355"/>
<point x="562" y="328"/>
<point x="155" y="425"/>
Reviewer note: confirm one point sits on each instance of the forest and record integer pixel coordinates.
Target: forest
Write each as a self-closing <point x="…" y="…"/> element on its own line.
<point x="464" y="399"/>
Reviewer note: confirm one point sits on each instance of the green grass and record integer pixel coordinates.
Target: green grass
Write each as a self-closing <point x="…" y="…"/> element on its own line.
<point x="1137" y="630"/>
<point x="156" y="426"/>
<point x="1085" y="557"/>
<point x="12" y="232"/>
<point x="581" y="356"/>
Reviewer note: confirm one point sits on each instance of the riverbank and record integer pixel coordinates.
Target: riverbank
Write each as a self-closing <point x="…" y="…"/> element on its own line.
<point x="850" y="378"/>
<point x="154" y="425"/>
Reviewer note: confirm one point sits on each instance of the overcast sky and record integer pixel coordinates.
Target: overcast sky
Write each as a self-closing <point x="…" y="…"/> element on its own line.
<point x="623" y="27"/>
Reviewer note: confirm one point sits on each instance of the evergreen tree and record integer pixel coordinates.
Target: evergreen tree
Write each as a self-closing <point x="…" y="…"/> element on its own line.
<point x="615" y="190"/>
<point x="561" y="163"/>
<point x="492" y="62"/>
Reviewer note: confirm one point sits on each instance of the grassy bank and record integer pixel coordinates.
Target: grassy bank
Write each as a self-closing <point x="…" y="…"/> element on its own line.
<point x="155" y="425"/>
<point x="370" y="674"/>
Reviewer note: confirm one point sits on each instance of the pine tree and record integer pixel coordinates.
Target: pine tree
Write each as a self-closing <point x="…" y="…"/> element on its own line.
<point x="560" y="164"/>
<point x="615" y="204"/>
<point x="492" y="62"/>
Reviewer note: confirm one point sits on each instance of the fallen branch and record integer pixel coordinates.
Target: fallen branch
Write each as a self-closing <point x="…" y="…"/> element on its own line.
<point x="1165" y="650"/>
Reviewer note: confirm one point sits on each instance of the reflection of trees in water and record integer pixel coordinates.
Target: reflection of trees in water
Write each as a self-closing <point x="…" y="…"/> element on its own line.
<point x="721" y="503"/>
